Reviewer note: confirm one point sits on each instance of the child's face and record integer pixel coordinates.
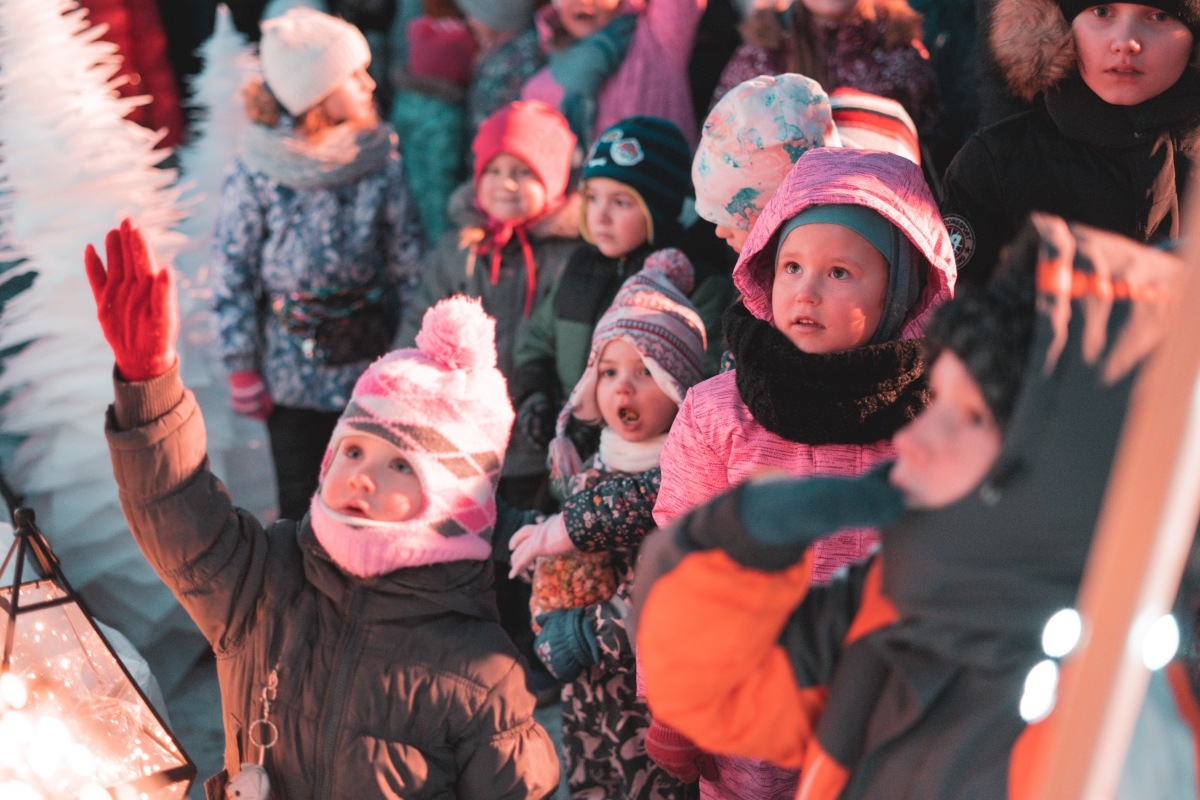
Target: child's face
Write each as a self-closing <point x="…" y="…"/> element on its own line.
<point x="630" y="401"/>
<point x="509" y="190"/>
<point x="582" y="18"/>
<point x="831" y="10"/>
<point x="943" y="454"/>
<point x="369" y="478"/>
<point x="829" y="288"/>
<point x="734" y="237"/>
<point x="353" y="101"/>
<point x="1129" y="53"/>
<point x="615" y="218"/>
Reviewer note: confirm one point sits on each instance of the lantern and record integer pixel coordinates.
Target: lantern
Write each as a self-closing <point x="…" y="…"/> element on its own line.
<point x="73" y="724"/>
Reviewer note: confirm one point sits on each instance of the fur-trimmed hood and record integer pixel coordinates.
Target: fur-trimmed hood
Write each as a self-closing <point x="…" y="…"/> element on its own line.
<point x="1032" y="44"/>
<point x="889" y="184"/>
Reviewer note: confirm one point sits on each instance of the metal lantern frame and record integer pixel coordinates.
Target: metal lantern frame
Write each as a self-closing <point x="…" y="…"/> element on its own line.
<point x="51" y="589"/>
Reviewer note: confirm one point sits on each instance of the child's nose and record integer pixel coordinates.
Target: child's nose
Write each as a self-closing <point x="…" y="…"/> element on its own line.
<point x="361" y="480"/>
<point x="1126" y="39"/>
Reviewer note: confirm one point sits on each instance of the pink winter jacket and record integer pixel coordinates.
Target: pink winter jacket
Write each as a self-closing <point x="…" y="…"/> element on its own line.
<point x="715" y="443"/>
<point x="652" y="79"/>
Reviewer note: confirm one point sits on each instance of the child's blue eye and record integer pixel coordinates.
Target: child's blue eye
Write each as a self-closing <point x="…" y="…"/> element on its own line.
<point x="400" y="465"/>
<point x="1101" y="11"/>
<point x="352" y="451"/>
<point x="608" y="373"/>
<point x="839" y="273"/>
<point x="791" y="268"/>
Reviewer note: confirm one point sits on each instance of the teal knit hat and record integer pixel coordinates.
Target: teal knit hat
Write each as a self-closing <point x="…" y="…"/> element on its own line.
<point x="650" y="156"/>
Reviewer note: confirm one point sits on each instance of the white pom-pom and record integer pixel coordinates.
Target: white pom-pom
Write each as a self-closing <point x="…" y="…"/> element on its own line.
<point x="458" y="333"/>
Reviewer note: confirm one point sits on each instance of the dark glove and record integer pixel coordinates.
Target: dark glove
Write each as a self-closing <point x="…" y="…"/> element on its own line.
<point x="536" y="418"/>
<point x="675" y="753"/>
<point x="769" y="524"/>
<point x="135" y="303"/>
<point x="567" y="645"/>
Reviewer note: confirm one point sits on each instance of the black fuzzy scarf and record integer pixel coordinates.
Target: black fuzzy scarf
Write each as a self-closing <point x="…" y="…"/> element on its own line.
<point x="858" y="396"/>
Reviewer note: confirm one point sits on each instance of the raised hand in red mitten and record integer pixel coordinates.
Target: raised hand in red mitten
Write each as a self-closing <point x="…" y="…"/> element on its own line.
<point x="135" y="303"/>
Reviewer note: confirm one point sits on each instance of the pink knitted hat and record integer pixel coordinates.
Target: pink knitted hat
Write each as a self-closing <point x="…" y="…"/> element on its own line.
<point x="652" y="313"/>
<point x="445" y="406"/>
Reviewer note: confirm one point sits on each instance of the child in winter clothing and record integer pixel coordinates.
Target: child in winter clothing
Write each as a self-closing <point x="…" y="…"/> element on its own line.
<point x="858" y="686"/>
<point x="507" y="54"/>
<point x="512" y="244"/>
<point x="372" y="617"/>
<point x="751" y="139"/>
<point x="827" y="369"/>
<point x="647" y="351"/>
<point x="429" y="109"/>
<point x="613" y="59"/>
<point x="316" y="244"/>
<point x="633" y="186"/>
<point x="871" y="45"/>
<point x="1110" y="138"/>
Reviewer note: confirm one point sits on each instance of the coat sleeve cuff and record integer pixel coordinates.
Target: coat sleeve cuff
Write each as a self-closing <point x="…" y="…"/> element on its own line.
<point x="139" y="403"/>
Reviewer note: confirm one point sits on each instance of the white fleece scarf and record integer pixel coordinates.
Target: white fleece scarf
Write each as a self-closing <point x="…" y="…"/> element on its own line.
<point x="341" y="155"/>
<point x="618" y="454"/>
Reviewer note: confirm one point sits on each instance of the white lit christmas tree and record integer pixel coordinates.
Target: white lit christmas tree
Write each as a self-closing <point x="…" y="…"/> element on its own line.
<point x="71" y="167"/>
<point x="237" y="446"/>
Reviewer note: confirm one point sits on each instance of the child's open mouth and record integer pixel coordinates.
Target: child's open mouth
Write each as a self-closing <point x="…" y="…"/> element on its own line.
<point x="627" y="414"/>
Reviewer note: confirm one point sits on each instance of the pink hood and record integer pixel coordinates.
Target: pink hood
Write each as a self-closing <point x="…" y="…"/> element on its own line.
<point x="887" y="183"/>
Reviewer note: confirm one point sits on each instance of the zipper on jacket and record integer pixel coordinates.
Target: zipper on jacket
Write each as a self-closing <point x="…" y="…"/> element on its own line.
<point x="346" y="650"/>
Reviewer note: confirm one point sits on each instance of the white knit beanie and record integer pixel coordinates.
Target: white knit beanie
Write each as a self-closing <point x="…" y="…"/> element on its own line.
<point x="306" y="55"/>
<point x="445" y="406"/>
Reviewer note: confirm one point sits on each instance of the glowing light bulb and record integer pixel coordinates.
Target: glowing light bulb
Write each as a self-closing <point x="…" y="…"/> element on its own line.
<point x="19" y="790"/>
<point x="94" y="791"/>
<point x="1041" y="686"/>
<point x="48" y="745"/>
<point x="13" y="691"/>
<point x="1062" y="633"/>
<point x="1161" y="643"/>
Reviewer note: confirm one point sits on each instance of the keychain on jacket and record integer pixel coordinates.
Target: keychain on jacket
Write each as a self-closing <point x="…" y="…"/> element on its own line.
<point x="252" y="782"/>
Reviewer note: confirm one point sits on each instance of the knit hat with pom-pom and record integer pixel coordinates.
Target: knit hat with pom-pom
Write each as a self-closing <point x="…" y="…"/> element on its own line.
<point x="652" y="313"/>
<point x="444" y="406"/>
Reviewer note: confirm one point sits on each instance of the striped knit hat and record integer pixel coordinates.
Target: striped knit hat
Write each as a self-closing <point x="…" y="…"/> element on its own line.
<point x="650" y="156"/>
<point x="751" y="138"/>
<point x="445" y="406"/>
<point x="652" y="313"/>
<point x="867" y="121"/>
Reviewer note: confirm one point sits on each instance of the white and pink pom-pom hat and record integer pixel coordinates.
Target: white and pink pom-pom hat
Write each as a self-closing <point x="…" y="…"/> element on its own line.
<point x="445" y="406"/>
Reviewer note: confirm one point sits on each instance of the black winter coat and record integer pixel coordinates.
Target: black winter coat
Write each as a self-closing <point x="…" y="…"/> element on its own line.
<point x="1119" y="168"/>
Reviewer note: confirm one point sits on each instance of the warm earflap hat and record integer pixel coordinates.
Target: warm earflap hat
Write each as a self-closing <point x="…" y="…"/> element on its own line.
<point x="537" y="134"/>
<point x="868" y="121"/>
<point x="305" y="55"/>
<point x="652" y="313"/>
<point x="750" y="140"/>
<point x="445" y="407"/>
<point x="650" y="156"/>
